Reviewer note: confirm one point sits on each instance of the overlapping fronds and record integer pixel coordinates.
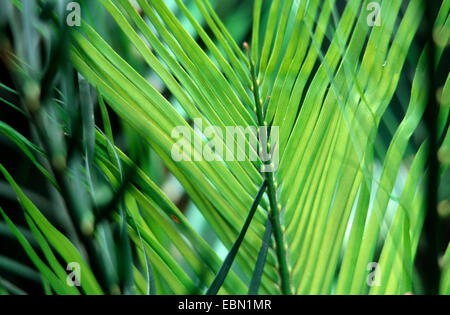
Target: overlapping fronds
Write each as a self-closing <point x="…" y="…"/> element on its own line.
<point x="327" y="76"/>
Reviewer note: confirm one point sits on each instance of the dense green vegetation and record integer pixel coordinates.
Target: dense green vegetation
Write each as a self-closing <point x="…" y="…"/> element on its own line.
<point x="93" y="201"/>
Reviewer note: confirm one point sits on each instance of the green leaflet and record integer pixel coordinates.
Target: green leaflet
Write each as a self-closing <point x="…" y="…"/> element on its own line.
<point x="64" y="247"/>
<point x="227" y="263"/>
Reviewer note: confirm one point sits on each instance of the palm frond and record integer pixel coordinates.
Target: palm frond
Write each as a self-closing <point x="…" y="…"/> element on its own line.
<point x="342" y="205"/>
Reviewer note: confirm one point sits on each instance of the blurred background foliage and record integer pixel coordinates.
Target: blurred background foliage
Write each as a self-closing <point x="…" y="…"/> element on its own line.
<point x="62" y="156"/>
<point x="32" y="37"/>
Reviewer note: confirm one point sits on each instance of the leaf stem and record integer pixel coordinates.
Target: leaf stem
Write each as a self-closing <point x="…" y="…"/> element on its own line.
<point x="274" y="213"/>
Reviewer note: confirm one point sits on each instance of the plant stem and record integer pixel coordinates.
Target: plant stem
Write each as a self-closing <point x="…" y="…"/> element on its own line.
<point x="274" y="213"/>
